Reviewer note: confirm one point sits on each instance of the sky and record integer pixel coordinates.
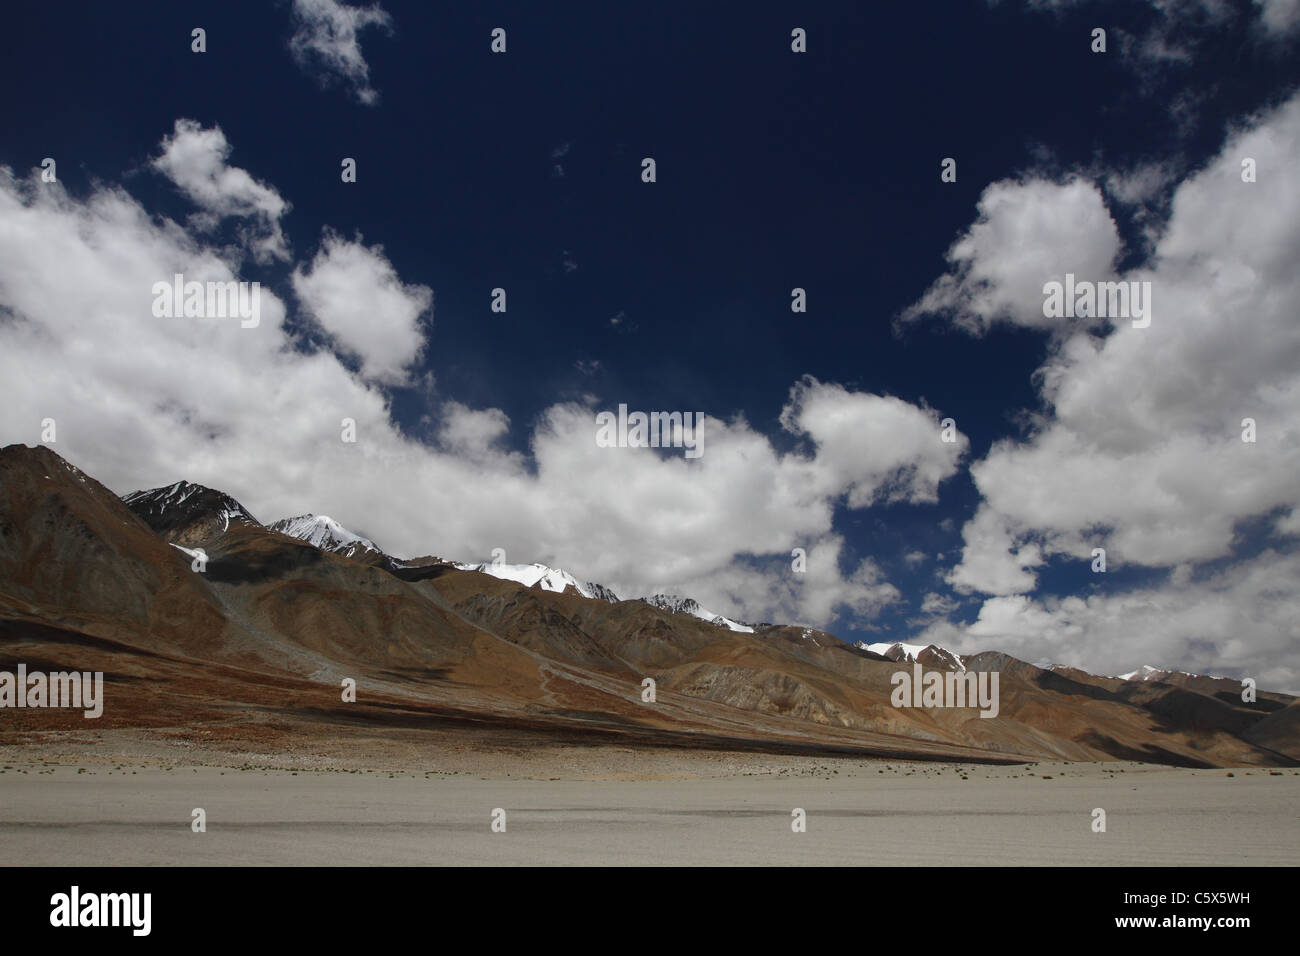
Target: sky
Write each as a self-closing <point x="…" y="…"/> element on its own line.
<point x="826" y="493"/>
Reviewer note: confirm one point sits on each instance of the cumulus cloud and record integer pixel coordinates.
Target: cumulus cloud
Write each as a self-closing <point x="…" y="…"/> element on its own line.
<point x="992" y="561"/>
<point x="1139" y="444"/>
<point x="1143" y="453"/>
<point x="1028" y="232"/>
<point x="1279" y="16"/>
<point x="879" y="447"/>
<point x="1142" y="184"/>
<point x="1289" y="524"/>
<point x="814" y="596"/>
<point x="326" y="40"/>
<point x="941" y="604"/>
<point x="475" y="434"/>
<point x="1238" y="622"/>
<point x="355" y="294"/>
<point x="194" y="159"/>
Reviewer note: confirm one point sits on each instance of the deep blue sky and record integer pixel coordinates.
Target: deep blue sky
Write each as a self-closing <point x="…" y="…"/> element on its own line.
<point x="775" y="170"/>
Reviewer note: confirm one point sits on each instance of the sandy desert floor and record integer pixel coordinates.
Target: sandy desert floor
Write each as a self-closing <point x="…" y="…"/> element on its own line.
<point x="128" y="800"/>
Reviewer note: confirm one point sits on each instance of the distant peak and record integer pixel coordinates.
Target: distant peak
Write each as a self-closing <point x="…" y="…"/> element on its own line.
<point x="543" y="577"/>
<point x="1147" y="672"/>
<point x="181" y="504"/>
<point x="675" y="604"/>
<point x="324" y="532"/>
<point x="911" y="653"/>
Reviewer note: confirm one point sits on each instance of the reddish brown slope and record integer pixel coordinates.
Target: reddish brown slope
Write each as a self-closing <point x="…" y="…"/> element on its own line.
<point x="273" y="625"/>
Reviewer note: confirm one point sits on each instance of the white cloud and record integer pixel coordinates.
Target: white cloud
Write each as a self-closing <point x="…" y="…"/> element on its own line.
<point x="1280" y="17"/>
<point x="326" y="39"/>
<point x="778" y="594"/>
<point x="354" y="292"/>
<point x="1144" y="183"/>
<point x="195" y="160"/>
<point x="1289" y="524"/>
<point x="991" y="561"/>
<point x="1028" y="232"/>
<point x="1138" y="446"/>
<point x="1238" y="622"/>
<point x="1139" y="449"/>
<point x="880" y="447"/>
<point x="934" y="603"/>
<point x="475" y="434"/>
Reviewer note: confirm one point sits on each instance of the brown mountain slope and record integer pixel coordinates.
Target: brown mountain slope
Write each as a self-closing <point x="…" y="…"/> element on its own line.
<point x="789" y="671"/>
<point x="1279" y="731"/>
<point x="72" y="555"/>
<point x="270" y="627"/>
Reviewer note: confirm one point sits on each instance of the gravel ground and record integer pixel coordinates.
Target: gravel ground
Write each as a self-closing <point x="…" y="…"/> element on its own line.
<point x="615" y="806"/>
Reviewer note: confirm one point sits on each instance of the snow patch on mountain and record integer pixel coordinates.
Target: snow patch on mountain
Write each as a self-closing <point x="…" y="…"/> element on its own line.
<point x="559" y="581"/>
<point x="680" y="605"/>
<point x="910" y="653"/>
<point x="1147" y="672"/>
<point x="546" y="578"/>
<point x="325" y="533"/>
<point x="167" y="507"/>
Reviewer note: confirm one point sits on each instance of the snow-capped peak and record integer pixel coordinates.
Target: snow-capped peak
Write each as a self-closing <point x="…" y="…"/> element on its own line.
<point x="1147" y="672"/>
<point x="173" y="505"/>
<point x="1142" y="673"/>
<point x="546" y="578"/>
<point x="559" y="580"/>
<point x="681" y="605"/>
<point x="325" y="533"/>
<point x="910" y="653"/>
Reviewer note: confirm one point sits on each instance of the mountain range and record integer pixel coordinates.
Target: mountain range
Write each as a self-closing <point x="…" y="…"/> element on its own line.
<point x="254" y="642"/>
